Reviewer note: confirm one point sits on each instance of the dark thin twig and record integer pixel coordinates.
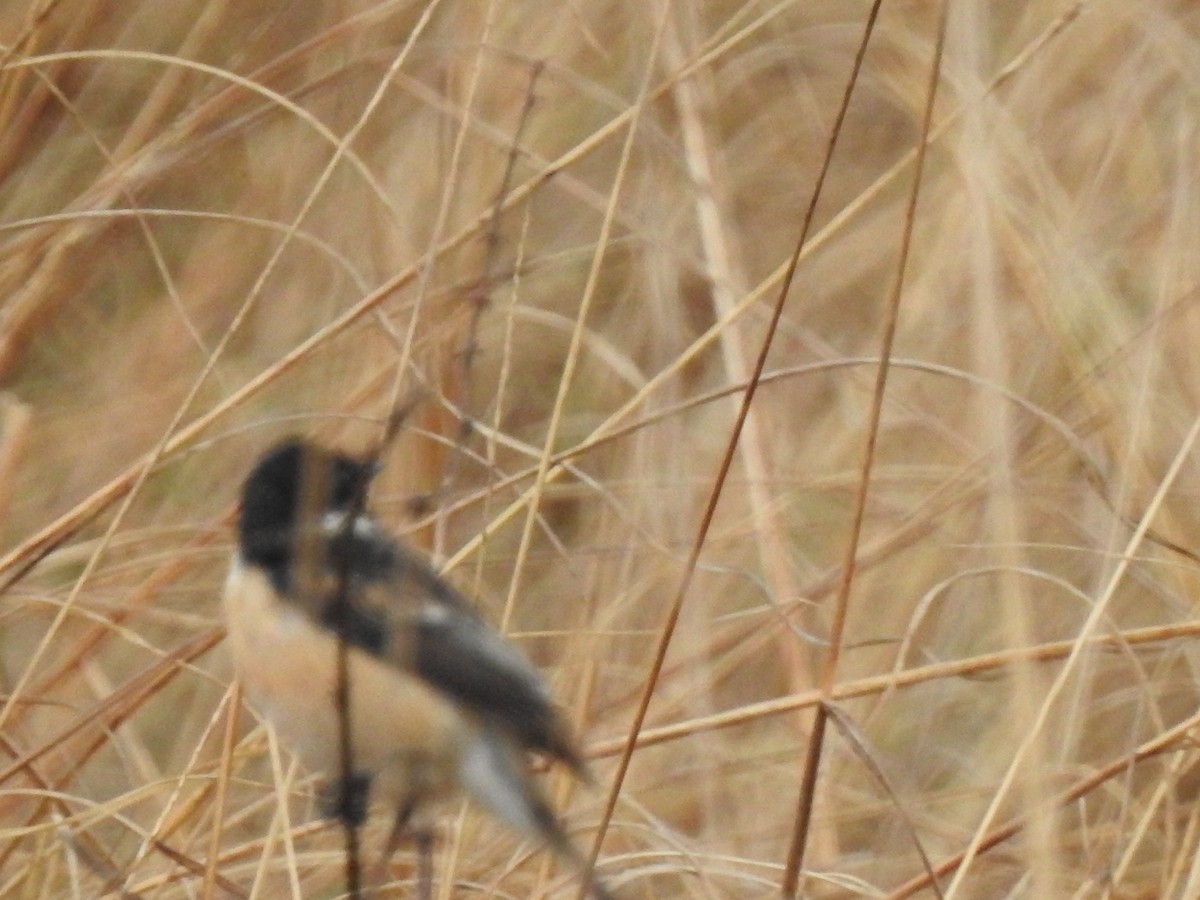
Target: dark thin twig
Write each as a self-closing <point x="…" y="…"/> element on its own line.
<point x="479" y="292"/>
<point x="480" y="296"/>
<point x="816" y="741"/>
<point x="348" y="786"/>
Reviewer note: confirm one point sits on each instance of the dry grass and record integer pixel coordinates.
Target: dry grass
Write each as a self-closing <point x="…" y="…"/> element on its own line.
<point x="223" y="222"/>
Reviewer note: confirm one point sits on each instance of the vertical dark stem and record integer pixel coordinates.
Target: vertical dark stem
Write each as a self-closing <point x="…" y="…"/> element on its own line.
<point x="351" y="786"/>
<point x="812" y="762"/>
<point x="349" y="790"/>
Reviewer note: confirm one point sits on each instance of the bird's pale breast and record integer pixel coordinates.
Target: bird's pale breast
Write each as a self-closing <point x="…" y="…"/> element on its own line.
<point x="405" y="733"/>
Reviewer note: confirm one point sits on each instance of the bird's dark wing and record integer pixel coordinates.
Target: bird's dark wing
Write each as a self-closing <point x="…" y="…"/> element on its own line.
<point x="464" y="658"/>
<point x="394" y="606"/>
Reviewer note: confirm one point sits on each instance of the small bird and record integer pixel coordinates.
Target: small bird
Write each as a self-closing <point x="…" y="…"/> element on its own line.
<point x="437" y="700"/>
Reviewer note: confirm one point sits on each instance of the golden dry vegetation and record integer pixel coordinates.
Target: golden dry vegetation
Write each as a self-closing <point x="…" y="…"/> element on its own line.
<point x="570" y="225"/>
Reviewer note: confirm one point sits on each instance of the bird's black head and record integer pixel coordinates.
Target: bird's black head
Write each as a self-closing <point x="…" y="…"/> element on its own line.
<point x="293" y="487"/>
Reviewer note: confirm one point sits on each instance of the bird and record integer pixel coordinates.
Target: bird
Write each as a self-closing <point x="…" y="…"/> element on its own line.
<point x="438" y="702"/>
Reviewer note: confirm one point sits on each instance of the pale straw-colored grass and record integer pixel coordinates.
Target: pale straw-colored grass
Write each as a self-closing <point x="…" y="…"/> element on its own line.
<point x="571" y="224"/>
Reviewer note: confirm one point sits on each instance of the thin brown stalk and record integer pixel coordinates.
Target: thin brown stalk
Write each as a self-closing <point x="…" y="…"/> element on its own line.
<point x="676" y="607"/>
<point x="808" y="785"/>
<point x="121" y="703"/>
<point x="1174" y="739"/>
<point x="970" y="667"/>
<point x="224" y="766"/>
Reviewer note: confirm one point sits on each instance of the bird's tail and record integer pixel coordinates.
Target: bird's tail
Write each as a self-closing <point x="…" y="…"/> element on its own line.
<point x="492" y="773"/>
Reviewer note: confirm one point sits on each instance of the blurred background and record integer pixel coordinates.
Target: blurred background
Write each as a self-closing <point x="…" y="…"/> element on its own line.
<point x="560" y="230"/>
